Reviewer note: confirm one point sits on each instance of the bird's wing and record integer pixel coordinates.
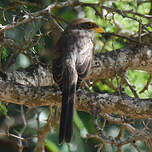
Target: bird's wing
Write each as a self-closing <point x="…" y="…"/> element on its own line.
<point x="84" y="59"/>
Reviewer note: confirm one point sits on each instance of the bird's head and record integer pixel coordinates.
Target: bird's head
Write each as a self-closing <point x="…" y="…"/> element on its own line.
<point x="85" y="24"/>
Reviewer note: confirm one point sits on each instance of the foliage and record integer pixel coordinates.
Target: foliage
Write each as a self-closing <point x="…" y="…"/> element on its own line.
<point x="3" y="109"/>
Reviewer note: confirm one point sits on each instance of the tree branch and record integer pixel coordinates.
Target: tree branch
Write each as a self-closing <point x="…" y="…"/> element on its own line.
<point x="108" y="103"/>
<point x="103" y="66"/>
<point x="45" y="12"/>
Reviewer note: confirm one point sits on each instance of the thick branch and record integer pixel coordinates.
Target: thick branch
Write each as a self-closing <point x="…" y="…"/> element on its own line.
<point x="108" y="103"/>
<point x="103" y="66"/>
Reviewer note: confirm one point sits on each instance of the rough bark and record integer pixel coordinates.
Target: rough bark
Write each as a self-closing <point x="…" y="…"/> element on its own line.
<point x="34" y="86"/>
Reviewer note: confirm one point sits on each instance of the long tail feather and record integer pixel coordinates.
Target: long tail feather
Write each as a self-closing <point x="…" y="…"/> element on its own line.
<point x="68" y="98"/>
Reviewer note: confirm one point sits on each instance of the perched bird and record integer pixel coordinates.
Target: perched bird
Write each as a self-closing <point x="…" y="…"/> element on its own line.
<point x="72" y="60"/>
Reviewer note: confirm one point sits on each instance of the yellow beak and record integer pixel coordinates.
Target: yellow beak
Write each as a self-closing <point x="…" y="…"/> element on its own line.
<point x="98" y="30"/>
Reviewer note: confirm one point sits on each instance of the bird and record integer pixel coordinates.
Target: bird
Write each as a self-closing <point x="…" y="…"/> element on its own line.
<point x="71" y="62"/>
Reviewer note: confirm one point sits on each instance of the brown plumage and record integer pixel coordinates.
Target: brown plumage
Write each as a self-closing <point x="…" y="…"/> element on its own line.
<point x="72" y="60"/>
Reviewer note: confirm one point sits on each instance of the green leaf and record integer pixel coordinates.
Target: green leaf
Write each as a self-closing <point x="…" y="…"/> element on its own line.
<point x="3" y="109"/>
<point x="4" y="54"/>
<point x="51" y="146"/>
<point x="79" y="123"/>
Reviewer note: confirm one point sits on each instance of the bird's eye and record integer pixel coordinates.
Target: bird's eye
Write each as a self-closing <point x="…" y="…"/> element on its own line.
<point x="89" y="25"/>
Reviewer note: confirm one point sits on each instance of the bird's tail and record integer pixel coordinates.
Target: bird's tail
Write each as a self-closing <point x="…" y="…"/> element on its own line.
<point x="68" y="97"/>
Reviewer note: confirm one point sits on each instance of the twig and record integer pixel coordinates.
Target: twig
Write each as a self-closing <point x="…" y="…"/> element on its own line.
<point x="45" y="12"/>
<point x="42" y="132"/>
<point x="27" y="3"/>
<point x="147" y="84"/>
<point x="37" y="15"/>
<point x="123" y="37"/>
<point x="139" y="31"/>
<point x="131" y="87"/>
<point x="23" y="129"/>
<point x="109" y="83"/>
<point x="121" y="12"/>
<point x="11" y="135"/>
<point x="137" y="148"/>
